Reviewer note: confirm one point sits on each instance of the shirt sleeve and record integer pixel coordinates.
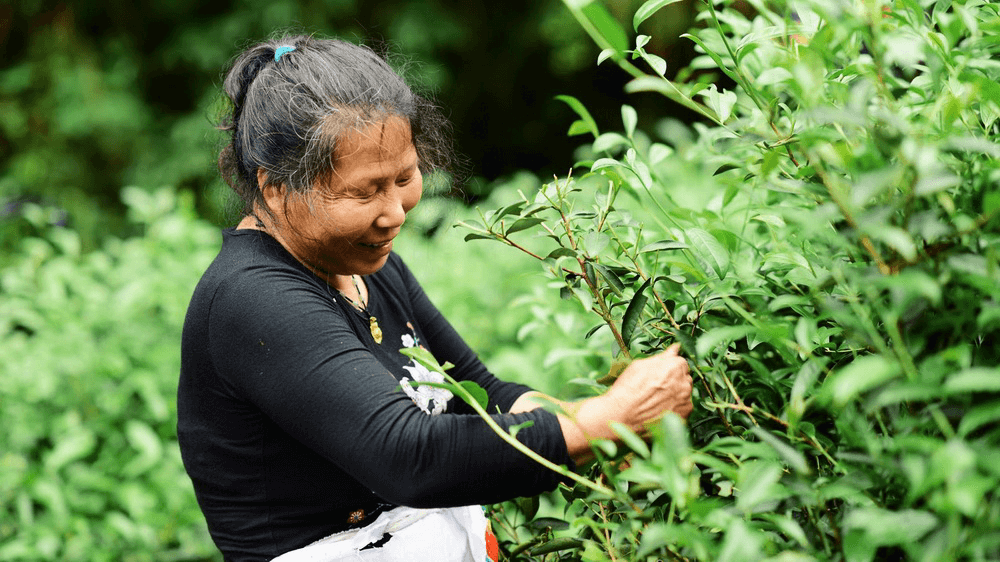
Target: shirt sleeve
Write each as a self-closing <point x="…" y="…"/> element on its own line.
<point x="281" y="344"/>
<point x="445" y="343"/>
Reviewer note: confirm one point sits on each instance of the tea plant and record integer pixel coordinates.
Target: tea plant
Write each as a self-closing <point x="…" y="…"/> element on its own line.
<point x="89" y="464"/>
<point x="824" y="243"/>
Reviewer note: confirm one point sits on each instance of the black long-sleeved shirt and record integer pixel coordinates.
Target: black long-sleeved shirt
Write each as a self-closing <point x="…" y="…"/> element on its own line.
<point x="291" y="417"/>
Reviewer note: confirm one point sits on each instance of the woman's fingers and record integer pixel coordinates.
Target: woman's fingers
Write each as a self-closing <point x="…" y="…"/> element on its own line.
<point x="652" y="386"/>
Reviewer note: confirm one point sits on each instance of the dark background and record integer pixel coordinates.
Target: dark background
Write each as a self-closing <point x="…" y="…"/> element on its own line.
<point x="98" y="95"/>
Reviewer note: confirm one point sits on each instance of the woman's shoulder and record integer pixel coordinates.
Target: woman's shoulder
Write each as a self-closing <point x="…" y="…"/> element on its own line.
<point x="251" y="261"/>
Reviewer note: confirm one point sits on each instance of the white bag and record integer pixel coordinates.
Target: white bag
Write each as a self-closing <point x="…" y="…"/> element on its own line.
<point x="455" y="534"/>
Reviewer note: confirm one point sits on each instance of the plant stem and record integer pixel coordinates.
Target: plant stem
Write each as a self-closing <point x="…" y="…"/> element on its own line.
<point x="468" y="398"/>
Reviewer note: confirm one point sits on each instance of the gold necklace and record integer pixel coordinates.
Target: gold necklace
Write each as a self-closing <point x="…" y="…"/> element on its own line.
<point x="362" y="306"/>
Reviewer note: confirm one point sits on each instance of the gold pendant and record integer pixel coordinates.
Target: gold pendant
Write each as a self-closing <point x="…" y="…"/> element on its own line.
<point x="376" y="331"/>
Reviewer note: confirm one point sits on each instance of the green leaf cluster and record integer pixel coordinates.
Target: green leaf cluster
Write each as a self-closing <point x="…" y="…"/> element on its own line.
<point x="89" y="463"/>
<point x="825" y="245"/>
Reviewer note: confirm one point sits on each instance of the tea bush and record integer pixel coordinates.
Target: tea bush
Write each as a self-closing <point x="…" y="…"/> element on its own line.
<point x="824" y="243"/>
<point x="485" y="298"/>
<point x="89" y="464"/>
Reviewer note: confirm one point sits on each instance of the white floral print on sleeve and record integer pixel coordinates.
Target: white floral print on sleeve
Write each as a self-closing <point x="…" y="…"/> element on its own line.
<point x="431" y="400"/>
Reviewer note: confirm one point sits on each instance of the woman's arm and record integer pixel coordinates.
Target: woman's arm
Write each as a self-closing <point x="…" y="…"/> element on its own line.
<point x="646" y="390"/>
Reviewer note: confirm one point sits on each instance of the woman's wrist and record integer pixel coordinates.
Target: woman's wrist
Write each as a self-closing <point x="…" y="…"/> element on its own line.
<point x="581" y="422"/>
<point x="584" y="422"/>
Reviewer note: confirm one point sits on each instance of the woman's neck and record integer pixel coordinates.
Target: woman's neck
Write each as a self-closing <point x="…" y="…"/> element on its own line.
<point x="342" y="283"/>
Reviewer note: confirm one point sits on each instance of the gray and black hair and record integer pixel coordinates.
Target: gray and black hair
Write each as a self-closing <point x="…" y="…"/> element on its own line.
<point x="288" y="116"/>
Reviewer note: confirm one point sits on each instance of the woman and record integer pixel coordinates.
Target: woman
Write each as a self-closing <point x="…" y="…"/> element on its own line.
<point x="297" y="416"/>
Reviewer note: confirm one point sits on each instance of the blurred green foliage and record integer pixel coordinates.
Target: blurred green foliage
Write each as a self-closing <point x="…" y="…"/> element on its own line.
<point x="89" y="464"/>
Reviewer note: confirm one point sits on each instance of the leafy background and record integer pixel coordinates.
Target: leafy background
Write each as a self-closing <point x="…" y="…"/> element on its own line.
<point x="804" y="194"/>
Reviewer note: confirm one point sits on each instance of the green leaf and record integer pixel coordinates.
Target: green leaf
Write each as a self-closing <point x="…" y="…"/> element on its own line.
<point x="477" y="236"/>
<point x="613" y="281"/>
<point x="609" y="141"/>
<point x="988" y="88"/>
<point x="934" y="183"/>
<point x="511" y="209"/>
<point x="561" y="253"/>
<point x="882" y="527"/>
<point x="897" y="239"/>
<point x="655" y="62"/>
<point x="514" y="429"/>
<point x="585" y="297"/>
<point x="663" y="245"/>
<point x="588" y="123"/>
<point x="714" y="338"/>
<point x="670" y="90"/>
<point x="774" y="75"/>
<point x="975" y="379"/>
<point x="524" y="224"/>
<point x="549" y="523"/>
<point x="556" y="545"/>
<point x="70" y="447"/>
<point x="788" y="527"/>
<point x="708" y="248"/>
<point x="424" y="357"/>
<point x="979" y="416"/>
<point x="757" y="483"/>
<point x="975" y="145"/>
<point x="711" y="53"/>
<point x="478" y="394"/>
<point x="605" y="446"/>
<point x="630" y="439"/>
<point x="605" y="163"/>
<point x="629" y="118"/>
<point x="634" y="311"/>
<point x="991" y="203"/>
<point x="789" y="454"/>
<point x="595" y="242"/>
<point x="658" y="152"/>
<point x="142" y="438"/>
<point x="528" y="506"/>
<point x="862" y="374"/>
<point x="589" y="273"/>
<point x="720" y="102"/>
<point x="579" y="127"/>
<point x="606" y="25"/>
<point x="648" y="9"/>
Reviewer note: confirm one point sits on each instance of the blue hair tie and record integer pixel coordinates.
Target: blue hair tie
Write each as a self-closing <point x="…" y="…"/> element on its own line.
<point x="282" y="50"/>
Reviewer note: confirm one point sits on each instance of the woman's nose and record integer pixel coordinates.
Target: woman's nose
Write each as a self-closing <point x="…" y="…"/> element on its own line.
<point x="399" y="202"/>
<point x="392" y="215"/>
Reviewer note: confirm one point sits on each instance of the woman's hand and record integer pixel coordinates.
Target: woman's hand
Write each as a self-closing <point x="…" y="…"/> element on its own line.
<point x="646" y="390"/>
<point x="649" y="388"/>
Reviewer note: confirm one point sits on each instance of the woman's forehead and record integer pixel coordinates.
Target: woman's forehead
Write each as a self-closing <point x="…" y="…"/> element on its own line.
<point x="388" y="139"/>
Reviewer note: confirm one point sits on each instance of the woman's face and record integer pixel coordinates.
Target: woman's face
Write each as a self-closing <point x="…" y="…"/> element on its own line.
<point x="346" y="225"/>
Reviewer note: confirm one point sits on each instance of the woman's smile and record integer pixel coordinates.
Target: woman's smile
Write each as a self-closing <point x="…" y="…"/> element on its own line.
<point x="375" y="245"/>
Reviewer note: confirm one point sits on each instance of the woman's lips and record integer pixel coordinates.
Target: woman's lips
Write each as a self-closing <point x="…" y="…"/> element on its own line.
<point x="375" y="246"/>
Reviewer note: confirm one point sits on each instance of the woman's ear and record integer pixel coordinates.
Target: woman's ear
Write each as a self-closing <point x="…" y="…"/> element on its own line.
<point x="274" y="196"/>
